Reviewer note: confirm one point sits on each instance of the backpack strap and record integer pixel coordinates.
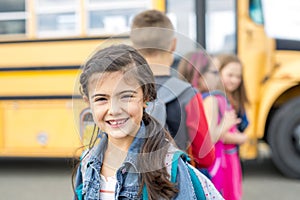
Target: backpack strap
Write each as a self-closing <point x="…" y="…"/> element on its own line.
<point x="194" y="178"/>
<point x="216" y="93"/>
<point x="78" y="192"/>
<point x="221" y="106"/>
<point x="145" y="193"/>
<point x="172" y="89"/>
<point x="196" y="184"/>
<point x="174" y="167"/>
<point x="169" y="90"/>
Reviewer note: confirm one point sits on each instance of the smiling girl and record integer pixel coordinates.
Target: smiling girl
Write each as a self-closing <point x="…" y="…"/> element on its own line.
<point x="231" y="71"/>
<point x="135" y="156"/>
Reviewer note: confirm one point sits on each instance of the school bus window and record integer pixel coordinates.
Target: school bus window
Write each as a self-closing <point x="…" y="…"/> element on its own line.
<point x="58" y="18"/>
<point x="255" y="11"/>
<point x="107" y="17"/>
<point x="12" y="17"/>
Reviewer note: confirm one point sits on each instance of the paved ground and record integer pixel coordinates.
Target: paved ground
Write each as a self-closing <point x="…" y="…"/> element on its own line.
<point x="35" y="180"/>
<point x="263" y="181"/>
<point x="51" y="180"/>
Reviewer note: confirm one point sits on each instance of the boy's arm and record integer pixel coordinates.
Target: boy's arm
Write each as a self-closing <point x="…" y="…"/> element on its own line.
<point x="202" y="147"/>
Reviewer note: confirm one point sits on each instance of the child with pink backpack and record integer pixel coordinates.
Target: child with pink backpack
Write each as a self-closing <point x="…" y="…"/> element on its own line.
<point x="226" y="173"/>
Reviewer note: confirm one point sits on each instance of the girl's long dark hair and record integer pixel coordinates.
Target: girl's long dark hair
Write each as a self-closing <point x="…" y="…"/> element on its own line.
<point x="151" y="160"/>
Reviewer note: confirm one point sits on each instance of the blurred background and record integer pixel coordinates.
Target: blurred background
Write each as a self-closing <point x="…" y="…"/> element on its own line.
<point x="43" y="120"/>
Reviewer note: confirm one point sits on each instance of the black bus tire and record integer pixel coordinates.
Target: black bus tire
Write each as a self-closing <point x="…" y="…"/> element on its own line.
<point x="284" y="138"/>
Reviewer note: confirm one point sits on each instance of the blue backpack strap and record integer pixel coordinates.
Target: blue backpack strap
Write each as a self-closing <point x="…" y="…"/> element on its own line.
<point x="244" y="123"/>
<point x="78" y="192"/>
<point x="195" y="180"/>
<point x="176" y="156"/>
<point x="196" y="184"/>
<point x="145" y="193"/>
<point x="205" y="94"/>
<point x="174" y="167"/>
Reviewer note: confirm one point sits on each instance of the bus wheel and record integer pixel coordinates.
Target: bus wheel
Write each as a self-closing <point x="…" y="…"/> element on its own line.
<point x="284" y="138"/>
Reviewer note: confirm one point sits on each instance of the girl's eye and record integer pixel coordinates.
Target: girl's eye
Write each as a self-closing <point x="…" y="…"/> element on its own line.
<point x="101" y="99"/>
<point x="128" y="96"/>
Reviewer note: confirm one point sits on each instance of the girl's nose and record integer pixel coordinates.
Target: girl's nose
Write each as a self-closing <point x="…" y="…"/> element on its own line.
<point x="114" y="107"/>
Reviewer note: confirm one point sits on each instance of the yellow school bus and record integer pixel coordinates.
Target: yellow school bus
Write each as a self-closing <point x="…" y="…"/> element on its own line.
<point x="42" y="45"/>
<point x="269" y="47"/>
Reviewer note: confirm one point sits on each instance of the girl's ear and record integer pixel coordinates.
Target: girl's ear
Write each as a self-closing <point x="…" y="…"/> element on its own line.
<point x="173" y="45"/>
<point x="145" y="104"/>
<point x="86" y="100"/>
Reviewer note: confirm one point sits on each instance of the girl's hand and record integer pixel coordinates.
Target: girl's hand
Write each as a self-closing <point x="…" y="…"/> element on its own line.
<point x="229" y="119"/>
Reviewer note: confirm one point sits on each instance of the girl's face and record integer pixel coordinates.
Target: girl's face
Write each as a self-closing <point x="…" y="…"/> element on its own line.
<point x="211" y="78"/>
<point x="232" y="76"/>
<point x="117" y="104"/>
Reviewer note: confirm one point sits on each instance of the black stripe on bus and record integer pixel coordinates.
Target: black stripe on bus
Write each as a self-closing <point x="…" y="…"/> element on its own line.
<point x="64" y="39"/>
<point x="40" y="97"/>
<point x="292" y="45"/>
<point x="39" y="68"/>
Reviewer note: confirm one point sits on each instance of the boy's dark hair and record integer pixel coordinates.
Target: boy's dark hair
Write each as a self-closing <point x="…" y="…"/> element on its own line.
<point x="151" y="31"/>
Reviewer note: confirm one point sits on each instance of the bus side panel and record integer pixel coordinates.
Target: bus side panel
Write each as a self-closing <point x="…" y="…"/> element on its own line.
<point x="38" y="82"/>
<point x="286" y="76"/>
<point x="271" y="92"/>
<point x="39" y="128"/>
<point x="52" y="53"/>
<point x="1" y="126"/>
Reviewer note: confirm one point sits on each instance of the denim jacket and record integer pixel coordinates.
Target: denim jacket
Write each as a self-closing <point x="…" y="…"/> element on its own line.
<point x="87" y="183"/>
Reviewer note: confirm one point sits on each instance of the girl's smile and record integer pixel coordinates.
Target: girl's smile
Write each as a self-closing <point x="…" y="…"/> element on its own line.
<point x="117" y="123"/>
